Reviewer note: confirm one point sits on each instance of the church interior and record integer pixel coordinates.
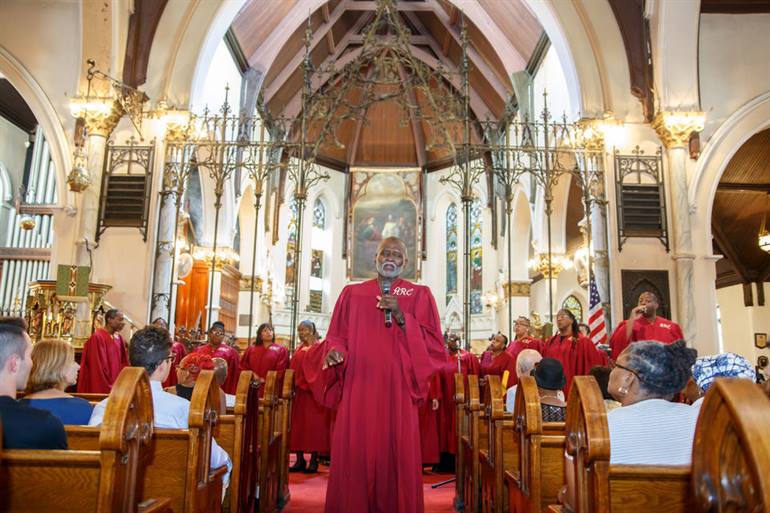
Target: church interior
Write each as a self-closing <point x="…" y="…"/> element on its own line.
<point x="226" y="168"/>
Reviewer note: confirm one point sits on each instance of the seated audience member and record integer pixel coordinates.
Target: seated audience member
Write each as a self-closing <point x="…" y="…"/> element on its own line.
<point x="550" y="379"/>
<point x="649" y="429"/>
<point x="525" y="362"/>
<point x="23" y="427"/>
<point x="53" y="370"/>
<point x="187" y="374"/>
<point x="602" y="377"/>
<point x="726" y="365"/>
<point x="220" y="374"/>
<point x="150" y="348"/>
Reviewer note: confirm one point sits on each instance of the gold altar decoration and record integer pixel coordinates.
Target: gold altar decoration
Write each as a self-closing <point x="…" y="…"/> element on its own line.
<point x="516" y="289"/>
<point x="51" y="317"/>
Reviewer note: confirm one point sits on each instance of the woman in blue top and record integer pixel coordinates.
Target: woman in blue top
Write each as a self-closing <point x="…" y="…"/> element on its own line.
<point x="53" y="370"/>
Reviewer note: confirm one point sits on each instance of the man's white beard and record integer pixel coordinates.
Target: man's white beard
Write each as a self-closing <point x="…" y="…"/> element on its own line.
<point x="392" y="274"/>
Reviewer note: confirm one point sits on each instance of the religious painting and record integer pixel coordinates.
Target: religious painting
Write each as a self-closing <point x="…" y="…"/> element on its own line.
<point x="316" y="263"/>
<point x="384" y="203"/>
<point x="451" y="252"/>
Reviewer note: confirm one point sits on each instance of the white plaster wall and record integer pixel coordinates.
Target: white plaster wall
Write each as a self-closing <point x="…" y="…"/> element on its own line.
<point x="739" y="322"/>
<point x="733" y="63"/>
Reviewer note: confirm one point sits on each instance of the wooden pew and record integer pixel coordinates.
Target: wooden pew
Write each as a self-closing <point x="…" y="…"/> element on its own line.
<point x="179" y="459"/>
<point x="473" y="442"/>
<point x="731" y="451"/>
<point x="284" y="424"/>
<point x="462" y="427"/>
<point x="594" y="485"/>
<point x="539" y="475"/>
<point x="500" y="455"/>
<point x="103" y="480"/>
<point x="269" y="448"/>
<point x="237" y="434"/>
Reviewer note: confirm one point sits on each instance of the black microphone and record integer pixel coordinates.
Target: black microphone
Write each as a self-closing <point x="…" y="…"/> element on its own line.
<point x="388" y="313"/>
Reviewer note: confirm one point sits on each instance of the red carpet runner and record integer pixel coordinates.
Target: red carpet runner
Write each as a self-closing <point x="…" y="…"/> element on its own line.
<point x="308" y="492"/>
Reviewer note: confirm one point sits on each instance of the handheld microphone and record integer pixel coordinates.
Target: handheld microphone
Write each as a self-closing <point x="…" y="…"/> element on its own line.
<point x="388" y="313"/>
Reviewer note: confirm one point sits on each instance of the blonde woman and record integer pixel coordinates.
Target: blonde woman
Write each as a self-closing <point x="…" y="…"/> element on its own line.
<point x="53" y="370"/>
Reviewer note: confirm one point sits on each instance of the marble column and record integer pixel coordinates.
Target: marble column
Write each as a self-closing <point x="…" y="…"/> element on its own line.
<point x="674" y="130"/>
<point x="98" y="126"/>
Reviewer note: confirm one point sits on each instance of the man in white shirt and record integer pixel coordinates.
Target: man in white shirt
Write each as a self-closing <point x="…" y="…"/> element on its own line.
<point x="525" y="362"/>
<point x="150" y="348"/>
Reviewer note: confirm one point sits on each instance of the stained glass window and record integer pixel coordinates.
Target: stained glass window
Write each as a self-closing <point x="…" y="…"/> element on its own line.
<point x="476" y="254"/>
<point x="451" y="252"/>
<point x="319" y="214"/>
<point x="291" y="245"/>
<point x="573" y="305"/>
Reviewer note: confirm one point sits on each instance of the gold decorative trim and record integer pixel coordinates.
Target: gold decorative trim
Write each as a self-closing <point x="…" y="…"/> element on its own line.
<point x="675" y="127"/>
<point x="516" y="289"/>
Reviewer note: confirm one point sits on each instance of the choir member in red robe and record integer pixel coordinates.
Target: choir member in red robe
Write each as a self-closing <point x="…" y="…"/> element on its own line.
<point x="215" y="348"/>
<point x="576" y="352"/>
<point x="309" y="419"/>
<point x="104" y="356"/>
<point x="644" y="324"/>
<point x="265" y="355"/>
<point x="497" y="360"/>
<point x="469" y="364"/>
<point x="377" y="375"/>
<point x="428" y="419"/>
<point x="522" y="341"/>
<point x="178" y="351"/>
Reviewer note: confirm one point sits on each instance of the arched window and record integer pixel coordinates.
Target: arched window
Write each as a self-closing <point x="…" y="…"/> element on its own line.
<point x="476" y="256"/>
<point x="291" y="246"/>
<point x="319" y="214"/>
<point x="451" y="252"/>
<point x="573" y="305"/>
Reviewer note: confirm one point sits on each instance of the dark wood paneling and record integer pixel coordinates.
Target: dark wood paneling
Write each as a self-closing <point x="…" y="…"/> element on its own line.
<point x="228" y="299"/>
<point x="636" y="282"/>
<point x="14" y="108"/>
<point x="191" y="297"/>
<point x="734" y="6"/>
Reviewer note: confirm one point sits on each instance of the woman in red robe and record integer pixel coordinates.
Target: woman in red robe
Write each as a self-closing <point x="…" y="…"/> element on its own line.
<point x="497" y="360"/>
<point x="576" y="352"/>
<point x="468" y="364"/>
<point x="309" y="420"/>
<point x="265" y="355"/>
<point x="216" y="348"/>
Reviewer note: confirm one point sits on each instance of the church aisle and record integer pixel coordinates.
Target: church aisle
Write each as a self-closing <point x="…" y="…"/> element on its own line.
<point x="308" y="493"/>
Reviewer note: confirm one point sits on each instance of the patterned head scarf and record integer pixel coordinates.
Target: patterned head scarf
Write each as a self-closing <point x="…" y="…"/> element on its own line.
<point x="725" y="365"/>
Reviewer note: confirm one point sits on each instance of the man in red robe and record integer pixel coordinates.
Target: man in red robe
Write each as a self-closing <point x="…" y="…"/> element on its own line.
<point x="215" y="348"/>
<point x="522" y="341"/>
<point x="576" y="352"/>
<point x="468" y="364"/>
<point x="376" y="374"/>
<point x="643" y="323"/>
<point x="104" y="356"/>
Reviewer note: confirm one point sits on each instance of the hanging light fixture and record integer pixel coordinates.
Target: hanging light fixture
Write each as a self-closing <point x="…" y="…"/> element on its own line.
<point x="763" y="239"/>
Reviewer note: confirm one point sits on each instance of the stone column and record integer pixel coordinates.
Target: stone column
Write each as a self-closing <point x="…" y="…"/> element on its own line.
<point x="98" y="126"/>
<point x="674" y="130"/>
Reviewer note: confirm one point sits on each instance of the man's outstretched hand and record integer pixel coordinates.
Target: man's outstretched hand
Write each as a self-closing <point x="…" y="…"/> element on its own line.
<point x="333" y="358"/>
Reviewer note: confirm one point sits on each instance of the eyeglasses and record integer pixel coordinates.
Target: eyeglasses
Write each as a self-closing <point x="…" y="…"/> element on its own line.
<point x="614" y="364"/>
<point x="169" y="358"/>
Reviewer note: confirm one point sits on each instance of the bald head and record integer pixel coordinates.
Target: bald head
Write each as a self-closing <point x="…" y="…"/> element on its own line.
<point x="526" y="362"/>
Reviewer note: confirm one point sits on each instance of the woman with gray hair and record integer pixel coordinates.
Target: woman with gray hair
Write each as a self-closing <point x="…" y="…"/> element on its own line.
<point x="649" y="429"/>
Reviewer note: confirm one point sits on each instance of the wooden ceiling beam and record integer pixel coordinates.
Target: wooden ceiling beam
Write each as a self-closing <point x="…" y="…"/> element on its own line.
<point x="744" y="187"/>
<point x="330" y="33"/>
<point x="447" y="35"/>
<point x="319" y="35"/>
<point x="356" y="5"/>
<point x="353" y="150"/>
<point x="414" y="39"/>
<point x="730" y="252"/>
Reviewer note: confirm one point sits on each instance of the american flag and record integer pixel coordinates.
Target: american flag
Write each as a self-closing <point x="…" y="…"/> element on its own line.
<point x="596" y="315"/>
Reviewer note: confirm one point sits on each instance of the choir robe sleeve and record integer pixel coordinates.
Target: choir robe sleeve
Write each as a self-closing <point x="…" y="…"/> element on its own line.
<point x="101" y="362"/>
<point x="327" y="385"/>
<point x="233" y="370"/>
<point x="618" y="340"/>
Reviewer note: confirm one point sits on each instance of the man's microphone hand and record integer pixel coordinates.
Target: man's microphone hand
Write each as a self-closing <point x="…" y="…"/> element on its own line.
<point x="333" y="358"/>
<point x="389" y="302"/>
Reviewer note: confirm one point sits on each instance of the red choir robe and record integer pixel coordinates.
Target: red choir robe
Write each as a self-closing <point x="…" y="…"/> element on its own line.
<point x="576" y="354"/>
<point x="497" y="365"/>
<point x="376" y="461"/>
<point x="469" y="364"/>
<point x="260" y="359"/>
<point x="231" y="356"/>
<point x="309" y="419"/>
<point x="104" y="356"/>
<point x="428" y="418"/>
<point x="179" y="351"/>
<point x="516" y="347"/>
<point x="660" y="330"/>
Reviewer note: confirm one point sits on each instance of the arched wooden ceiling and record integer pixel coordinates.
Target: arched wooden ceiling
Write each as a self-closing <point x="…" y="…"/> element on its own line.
<point x="337" y="35"/>
<point x="739" y="206"/>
